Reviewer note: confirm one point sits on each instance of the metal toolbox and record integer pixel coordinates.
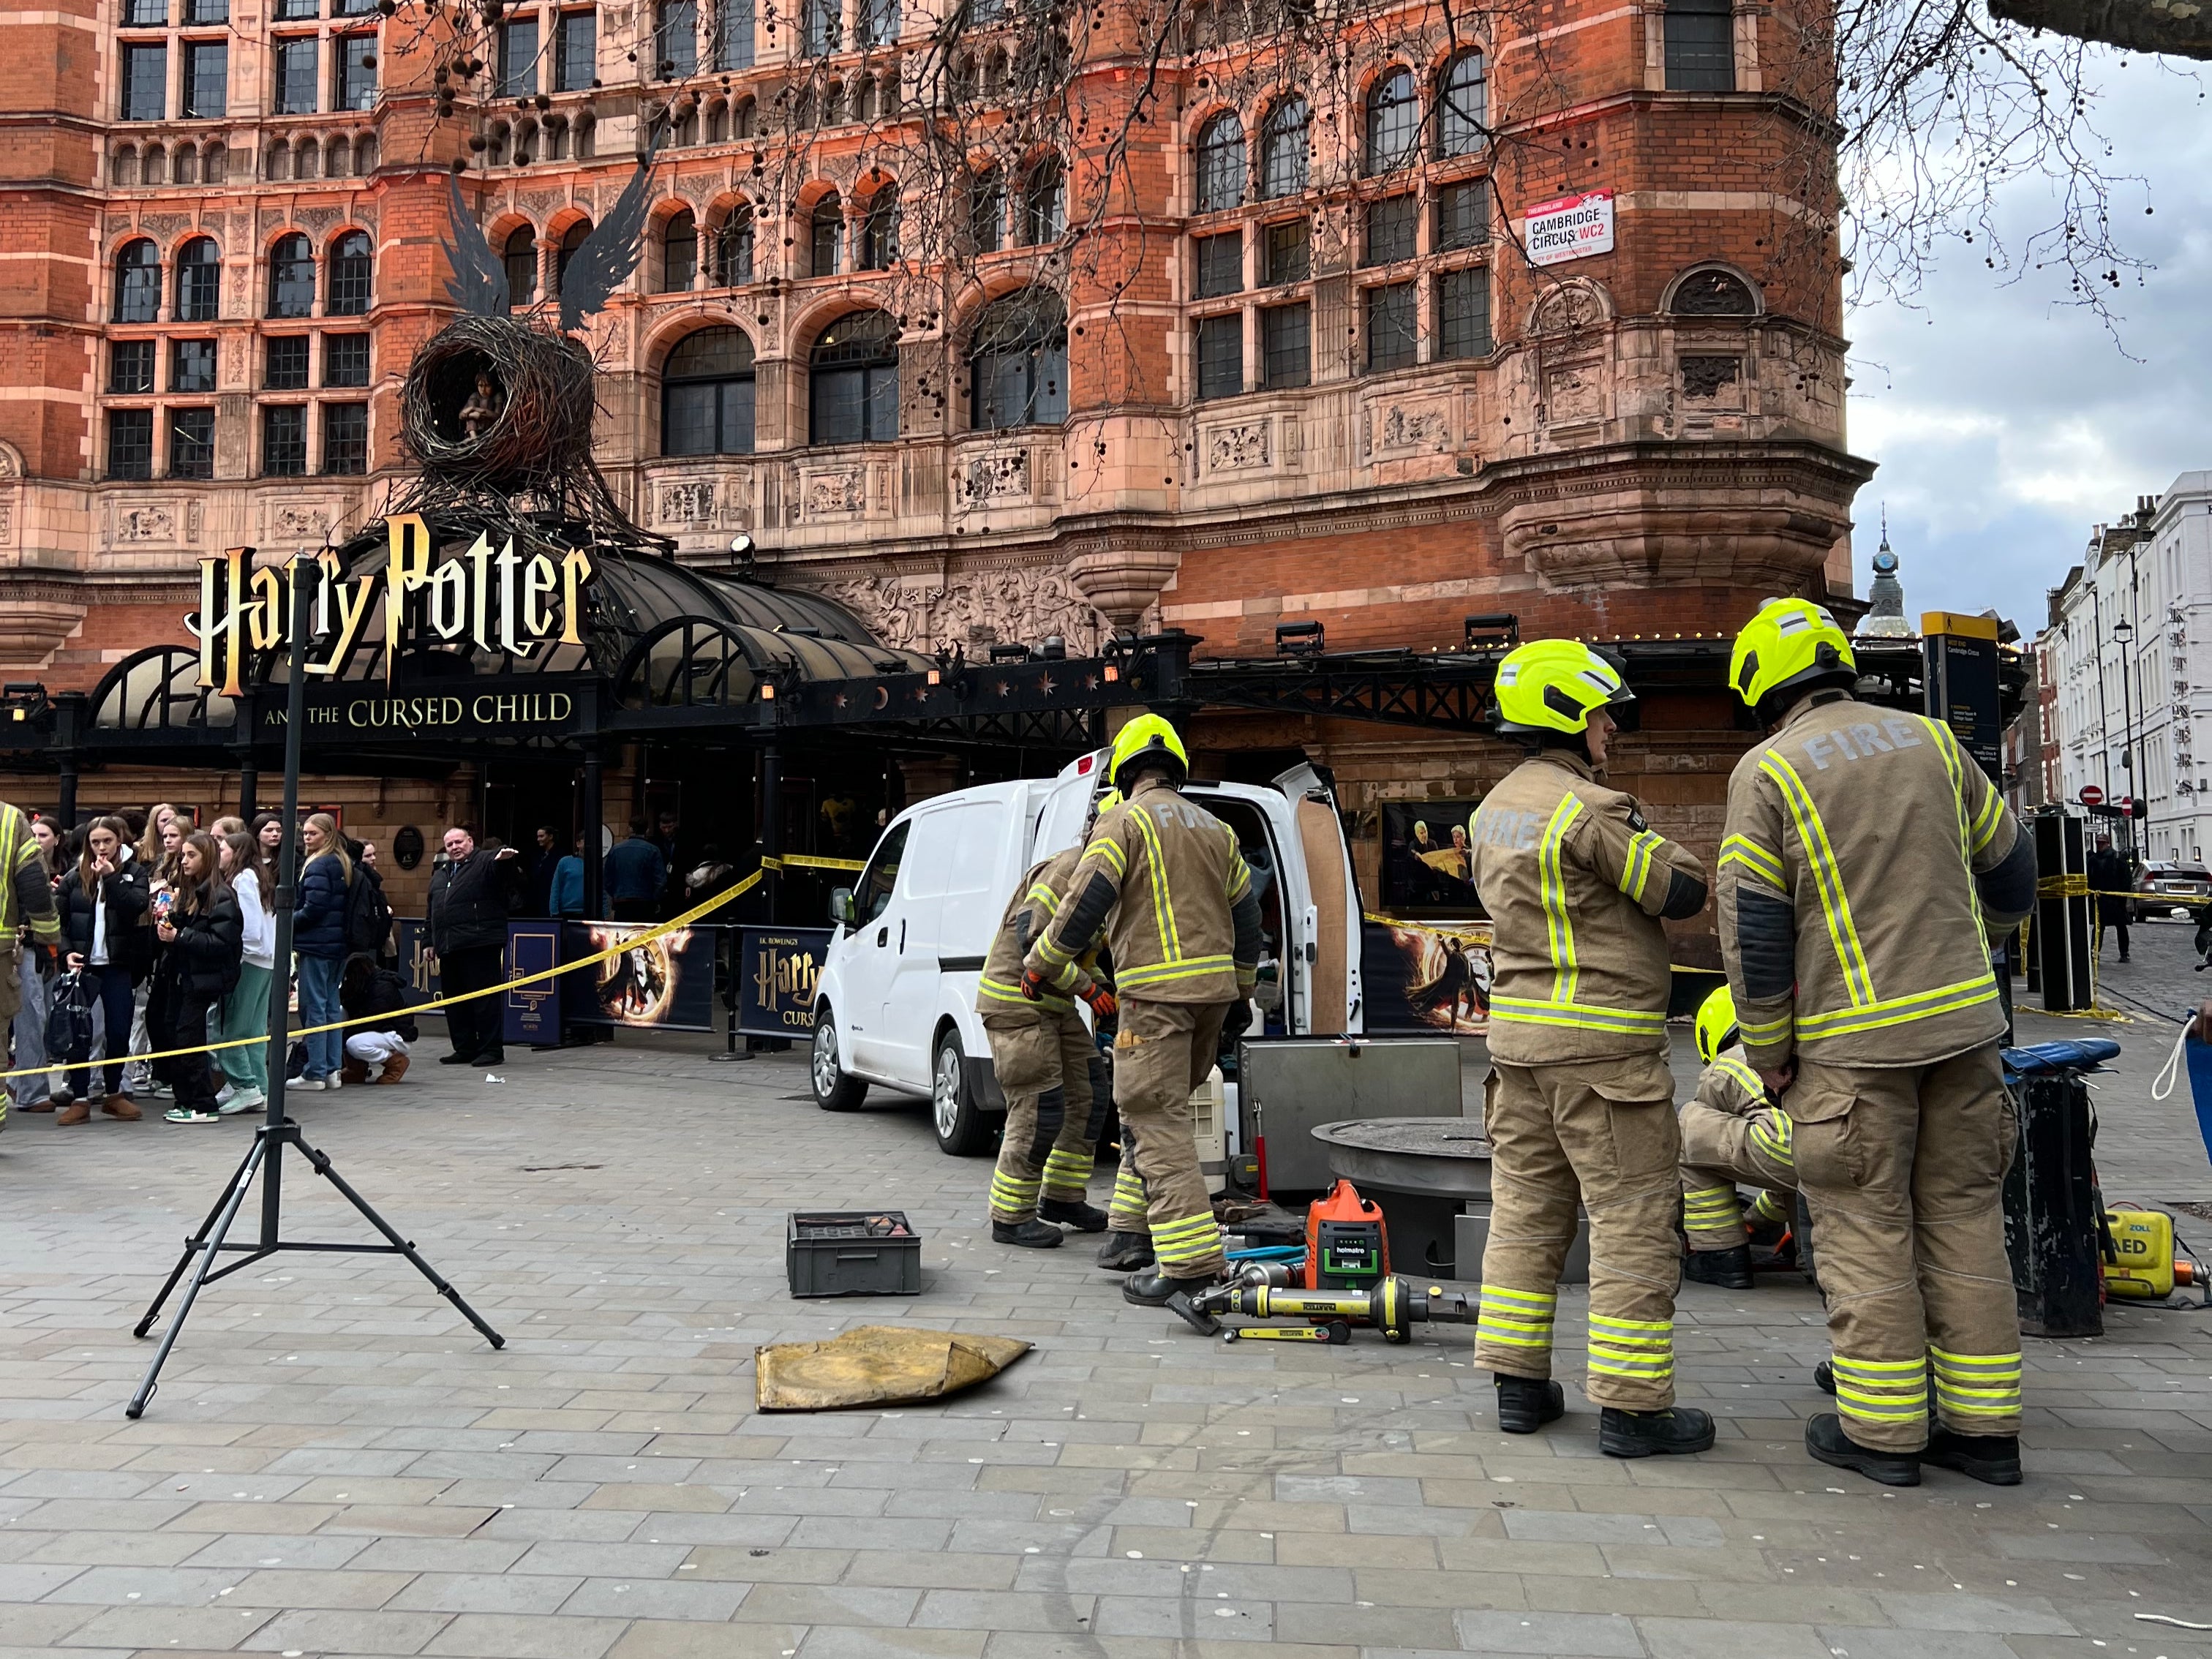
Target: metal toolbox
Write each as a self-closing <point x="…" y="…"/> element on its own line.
<point x="853" y="1253"/>
<point x="1288" y="1085"/>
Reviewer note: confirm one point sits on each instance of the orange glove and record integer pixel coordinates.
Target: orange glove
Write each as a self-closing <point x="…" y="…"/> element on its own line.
<point x="1033" y="985"/>
<point x="1102" y="1001"/>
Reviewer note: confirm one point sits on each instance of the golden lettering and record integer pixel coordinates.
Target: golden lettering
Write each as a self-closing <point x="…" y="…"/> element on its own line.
<point x="267" y="609"/>
<point x="575" y="571"/>
<point x="409" y="568"/>
<point x="479" y="558"/>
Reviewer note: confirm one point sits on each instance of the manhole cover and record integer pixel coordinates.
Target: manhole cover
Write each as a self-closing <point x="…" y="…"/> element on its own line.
<point x="1414" y="1136"/>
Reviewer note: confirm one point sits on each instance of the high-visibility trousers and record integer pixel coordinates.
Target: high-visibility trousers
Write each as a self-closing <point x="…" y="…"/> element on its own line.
<point x="1602" y="1132"/>
<point x="1163" y="1052"/>
<point x="1903" y="1171"/>
<point x="1043" y="1067"/>
<point x="1720" y="1149"/>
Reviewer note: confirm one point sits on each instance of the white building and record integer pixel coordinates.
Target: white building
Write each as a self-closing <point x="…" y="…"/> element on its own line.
<point x="2129" y="653"/>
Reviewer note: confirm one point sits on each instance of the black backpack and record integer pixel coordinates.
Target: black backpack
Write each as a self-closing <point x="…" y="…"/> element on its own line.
<point x="368" y="917"/>
<point x="69" y="1018"/>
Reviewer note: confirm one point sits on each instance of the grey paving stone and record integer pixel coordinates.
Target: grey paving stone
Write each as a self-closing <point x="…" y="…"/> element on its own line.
<point x="650" y="1598"/>
<point x="1598" y="1635"/>
<point x="521" y="1636"/>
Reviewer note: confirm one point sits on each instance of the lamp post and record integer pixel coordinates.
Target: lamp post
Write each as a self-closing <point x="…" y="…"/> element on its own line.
<point x="2124" y="634"/>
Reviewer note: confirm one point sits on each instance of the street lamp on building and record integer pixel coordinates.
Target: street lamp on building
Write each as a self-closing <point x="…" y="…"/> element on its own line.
<point x="2123" y="633"/>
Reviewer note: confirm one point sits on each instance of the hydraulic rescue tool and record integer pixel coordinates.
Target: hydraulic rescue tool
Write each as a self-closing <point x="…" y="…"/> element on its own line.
<point x="1392" y="1307"/>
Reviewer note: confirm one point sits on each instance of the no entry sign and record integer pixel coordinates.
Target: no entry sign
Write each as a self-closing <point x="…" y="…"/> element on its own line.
<point x="1569" y="228"/>
<point x="2092" y="796"/>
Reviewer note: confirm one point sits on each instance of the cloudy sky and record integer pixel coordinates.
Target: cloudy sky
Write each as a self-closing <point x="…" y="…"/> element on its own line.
<point x="2005" y="422"/>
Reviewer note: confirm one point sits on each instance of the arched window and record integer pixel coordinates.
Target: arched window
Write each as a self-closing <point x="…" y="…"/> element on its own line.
<point x="707" y="395"/>
<point x="350" y="275"/>
<point x="679" y="256"/>
<point x="879" y="230"/>
<point x="214" y="164"/>
<point x="734" y="248"/>
<point x="744" y="119"/>
<point x="1221" y="163"/>
<point x="986" y="212"/>
<point x="1017" y="362"/>
<point x="1283" y="149"/>
<point x="571" y="240"/>
<point x="853" y="382"/>
<point x="1394" y="123"/>
<point x="292" y="277"/>
<point x="122" y="165"/>
<point x="199" y="280"/>
<point x="1713" y="294"/>
<point x="138" y="282"/>
<point x="1462" y="107"/>
<point x="1044" y="204"/>
<point x="826" y="239"/>
<point x="520" y="258"/>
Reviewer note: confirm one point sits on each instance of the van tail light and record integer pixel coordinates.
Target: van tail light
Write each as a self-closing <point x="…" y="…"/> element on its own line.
<point x="1083" y="767"/>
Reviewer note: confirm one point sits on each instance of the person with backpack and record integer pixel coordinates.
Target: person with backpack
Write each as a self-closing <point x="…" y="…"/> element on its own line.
<point x="376" y="1050"/>
<point x="319" y="941"/>
<point x="471" y="893"/>
<point x="204" y="940"/>
<point x="104" y="904"/>
<point x="245" y="1010"/>
<point x="368" y="914"/>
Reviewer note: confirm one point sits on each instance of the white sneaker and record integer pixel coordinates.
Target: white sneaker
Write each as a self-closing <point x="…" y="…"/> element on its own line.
<point x="224" y="1093"/>
<point x="306" y="1085"/>
<point x="246" y="1100"/>
<point x="333" y="1082"/>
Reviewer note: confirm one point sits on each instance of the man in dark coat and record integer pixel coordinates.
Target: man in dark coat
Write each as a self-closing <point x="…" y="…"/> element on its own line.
<point x="471" y="894"/>
<point x="2112" y="873"/>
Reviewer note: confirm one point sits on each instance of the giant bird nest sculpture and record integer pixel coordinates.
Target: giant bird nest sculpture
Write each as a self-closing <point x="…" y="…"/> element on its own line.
<point x="497" y="407"/>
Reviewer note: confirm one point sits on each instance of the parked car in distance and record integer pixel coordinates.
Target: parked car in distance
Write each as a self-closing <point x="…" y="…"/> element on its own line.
<point x="2163" y="889"/>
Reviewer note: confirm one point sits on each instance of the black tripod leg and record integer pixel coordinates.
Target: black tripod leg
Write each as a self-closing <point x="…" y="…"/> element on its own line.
<point x="405" y="1247"/>
<point x="208" y="1250"/>
<point x="193" y="1243"/>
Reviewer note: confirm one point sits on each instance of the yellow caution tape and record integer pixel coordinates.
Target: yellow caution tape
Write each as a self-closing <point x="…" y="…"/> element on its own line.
<point x="657" y="930"/>
<point x="806" y="861"/>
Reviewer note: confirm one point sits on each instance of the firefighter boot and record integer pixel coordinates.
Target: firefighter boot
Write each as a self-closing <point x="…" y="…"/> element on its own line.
<point x="1826" y="1439"/>
<point x="1679" y="1429"/>
<point x="1073" y="1212"/>
<point x="1123" y="1252"/>
<point x="1030" y="1235"/>
<point x="1525" y="1404"/>
<point x="1730" y="1269"/>
<point x="1824" y="1378"/>
<point x="1150" y="1287"/>
<point x="1991" y="1459"/>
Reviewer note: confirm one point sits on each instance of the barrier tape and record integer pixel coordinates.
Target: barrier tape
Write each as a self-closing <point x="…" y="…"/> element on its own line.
<point x="807" y="861"/>
<point x="644" y="935"/>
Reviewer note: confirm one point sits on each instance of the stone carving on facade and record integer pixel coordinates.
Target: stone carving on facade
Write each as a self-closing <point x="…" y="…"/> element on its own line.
<point x="163" y="225"/>
<point x="1414" y="426"/>
<point x="11" y="461"/>
<point x="1572" y="306"/>
<point x="300" y="522"/>
<point x="539" y="203"/>
<point x="978" y="608"/>
<point x="1234" y="448"/>
<point x="690" y="502"/>
<point x="1703" y="378"/>
<point x="316" y="220"/>
<point x="155" y="522"/>
<point x="696" y="191"/>
<point x="837" y="494"/>
<point x="1573" y="391"/>
<point x="1002" y="474"/>
<point x="7" y="523"/>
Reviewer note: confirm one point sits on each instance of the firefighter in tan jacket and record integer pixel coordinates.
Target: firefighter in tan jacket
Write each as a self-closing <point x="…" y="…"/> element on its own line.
<point x="1576" y="883"/>
<point x="1732" y="1131"/>
<point x="1042" y="1053"/>
<point x="1162" y="879"/>
<point x="1866" y="864"/>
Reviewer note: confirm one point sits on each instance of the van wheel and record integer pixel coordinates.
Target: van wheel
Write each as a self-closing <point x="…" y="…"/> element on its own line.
<point x="962" y="1130"/>
<point x="834" y="1092"/>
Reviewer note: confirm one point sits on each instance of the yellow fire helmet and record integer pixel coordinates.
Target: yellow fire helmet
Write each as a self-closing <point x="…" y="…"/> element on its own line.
<point x="1790" y="642"/>
<point x="1147" y="740"/>
<point x="1716" y="1026"/>
<point x="1551" y="685"/>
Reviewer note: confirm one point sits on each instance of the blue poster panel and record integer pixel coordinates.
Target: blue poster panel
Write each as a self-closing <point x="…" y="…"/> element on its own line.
<point x="777" y="970"/>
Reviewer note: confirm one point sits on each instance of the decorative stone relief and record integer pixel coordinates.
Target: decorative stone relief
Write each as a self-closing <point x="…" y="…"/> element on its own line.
<point x="695" y="190"/>
<point x="316" y="220"/>
<point x="300" y="522"/>
<point x="7" y="523"/>
<point x="1234" y="448"/>
<point x="1573" y="391"/>
<point x="981" y="607"/>
<point x="234" y="360"/>
<point x="539" y="203"/>
<point x="1706" y="377"/>
<point x="1411" y="426"/>
<point x="690" y="502"/>
<point x="1574" y="304"/>
<point x="156" y="523"/>
<point x="832" y="494"/>
<point x="164" y="225"/>
<point x="1002" y="474"/>
<point x="11" y="461"/>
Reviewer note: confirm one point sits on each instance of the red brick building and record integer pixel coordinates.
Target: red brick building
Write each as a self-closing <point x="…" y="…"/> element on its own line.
<point x="1243" y="331"/>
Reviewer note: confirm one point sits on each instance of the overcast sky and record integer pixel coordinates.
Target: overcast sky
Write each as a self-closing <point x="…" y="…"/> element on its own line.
<point x="2006" y="423"/>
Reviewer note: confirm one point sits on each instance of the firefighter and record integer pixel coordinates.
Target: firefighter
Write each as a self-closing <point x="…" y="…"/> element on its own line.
<point x="1576" y="883"/>
<point x="27" y="908"/>
<point x="1865" y="864"/>
<point x="1162" y="879"/>
<point x="1043" y="1053"/>
<point x="1732" y="1131"/>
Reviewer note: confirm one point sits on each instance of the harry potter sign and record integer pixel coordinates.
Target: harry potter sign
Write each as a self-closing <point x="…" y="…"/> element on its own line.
<point x="505" y="603"/>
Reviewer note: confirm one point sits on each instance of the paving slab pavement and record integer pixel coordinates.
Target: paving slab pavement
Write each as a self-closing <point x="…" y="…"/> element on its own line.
<point x="336" y="1465"/>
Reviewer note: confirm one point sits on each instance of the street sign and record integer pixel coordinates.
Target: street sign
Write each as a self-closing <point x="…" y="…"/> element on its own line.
<point x="1568" y="228"/>
<point x="2125" y="806"/>
<point x="2092" y="796"/>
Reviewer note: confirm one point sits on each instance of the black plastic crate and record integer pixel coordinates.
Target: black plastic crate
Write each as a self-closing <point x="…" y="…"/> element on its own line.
<point x="853" y="1253"/>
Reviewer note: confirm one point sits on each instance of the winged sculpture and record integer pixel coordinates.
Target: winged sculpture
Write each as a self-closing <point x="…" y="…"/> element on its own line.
<point x="598" y="267"/>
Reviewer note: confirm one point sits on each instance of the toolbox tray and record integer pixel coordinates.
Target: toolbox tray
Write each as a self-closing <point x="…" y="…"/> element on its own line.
<point x="852" y="1253"/>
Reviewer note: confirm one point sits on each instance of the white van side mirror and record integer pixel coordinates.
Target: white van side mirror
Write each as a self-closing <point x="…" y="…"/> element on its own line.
<point x="841" y="910"/>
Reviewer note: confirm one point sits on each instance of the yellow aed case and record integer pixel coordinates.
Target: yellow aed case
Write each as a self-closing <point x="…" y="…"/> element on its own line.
<point x="2142" y="1263"/>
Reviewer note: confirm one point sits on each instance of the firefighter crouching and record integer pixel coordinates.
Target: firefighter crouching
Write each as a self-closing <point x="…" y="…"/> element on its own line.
<point x="1043" y="1053"/>
<point x="1576" y="883"/>
<point x="1732" y="1131"/>
<point x="1864" y="865"/>
<point x="1162" y="879"/>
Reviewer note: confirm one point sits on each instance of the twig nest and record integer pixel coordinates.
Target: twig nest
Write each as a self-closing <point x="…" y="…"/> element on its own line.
<point x="500" y="405"/>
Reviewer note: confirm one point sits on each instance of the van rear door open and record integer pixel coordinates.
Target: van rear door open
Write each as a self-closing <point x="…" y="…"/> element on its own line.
<point x="956" y="855"/>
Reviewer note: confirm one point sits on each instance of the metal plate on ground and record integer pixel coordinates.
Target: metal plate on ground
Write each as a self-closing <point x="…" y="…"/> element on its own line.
<point x="1441" y="1158"/>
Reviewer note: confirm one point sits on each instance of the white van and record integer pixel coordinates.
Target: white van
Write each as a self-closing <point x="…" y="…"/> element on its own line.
<point x="896" y="1005"/>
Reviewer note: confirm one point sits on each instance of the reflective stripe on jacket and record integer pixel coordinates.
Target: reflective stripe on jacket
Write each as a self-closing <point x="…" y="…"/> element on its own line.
<point x="1575" y="881"/>
<point x="1028" y="914"/>
<point x="1177" y="872"/>
<point x="27" y="895"/>
<point x="1851" y="921"/>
